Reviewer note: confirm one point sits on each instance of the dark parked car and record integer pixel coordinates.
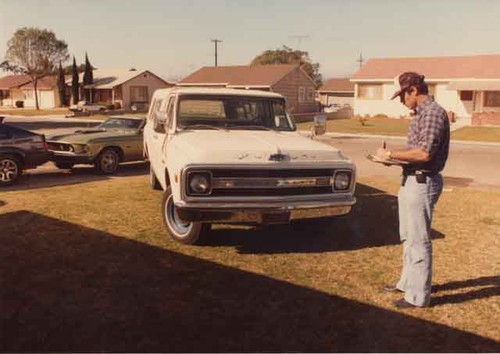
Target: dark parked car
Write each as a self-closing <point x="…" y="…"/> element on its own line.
<point x="19" y="150"/>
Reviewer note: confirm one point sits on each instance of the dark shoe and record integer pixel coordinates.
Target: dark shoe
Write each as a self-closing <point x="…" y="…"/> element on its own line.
<point x="391" y="289"/>
<point x="403" y="304"/>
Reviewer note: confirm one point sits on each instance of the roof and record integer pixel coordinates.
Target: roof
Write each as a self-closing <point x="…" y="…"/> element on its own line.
<point x="45" y="83"/>
<point x="216" y="91"/>
<point x="108" y="79"/>
<point x="337" y="85"/>
<point x="245" y="75"/>
<point x="11" y="81"/>
<point x="474" y="85"/>
<point x="434" y="68"/>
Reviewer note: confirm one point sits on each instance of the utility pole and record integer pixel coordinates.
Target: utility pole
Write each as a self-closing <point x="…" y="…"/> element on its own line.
<point x="360" y="60"/>
<point x="215" y="42"/>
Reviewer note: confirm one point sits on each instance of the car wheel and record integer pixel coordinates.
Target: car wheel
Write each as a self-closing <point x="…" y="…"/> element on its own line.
<point x="107" y="161"/>
<point x="10" y="170"/>
<point x="153" y="181"/>
<point x="64" y="165"/>
<point x="188" y="233"/>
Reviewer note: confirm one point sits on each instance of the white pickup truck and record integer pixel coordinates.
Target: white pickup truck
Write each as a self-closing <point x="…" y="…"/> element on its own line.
<point x="235" y="156"/>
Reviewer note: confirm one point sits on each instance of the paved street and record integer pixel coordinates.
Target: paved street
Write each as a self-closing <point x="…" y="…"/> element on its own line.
<point x="469" y="164"/>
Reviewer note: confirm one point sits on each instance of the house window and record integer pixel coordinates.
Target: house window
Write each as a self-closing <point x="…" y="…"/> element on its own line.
<point x="139" y="94"/>
<point x="492" y="99"/>
<point x="310" y="94"/>
<point x="370" y="92"/>
<point x="466" y="95"/>
<point x="302" y="94"/>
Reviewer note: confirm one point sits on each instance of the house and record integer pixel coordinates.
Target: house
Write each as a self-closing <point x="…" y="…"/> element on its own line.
<point x="467" y="86"/>
<point x="287" y="79"/>
<point x="10" y="91"/>
<point x="48" y="95"/>
<point x="128" y="89"/>
<point x="336" y="91"/>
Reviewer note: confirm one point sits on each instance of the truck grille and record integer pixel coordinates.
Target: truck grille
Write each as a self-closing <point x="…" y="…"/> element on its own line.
<point x="269" y="182"/>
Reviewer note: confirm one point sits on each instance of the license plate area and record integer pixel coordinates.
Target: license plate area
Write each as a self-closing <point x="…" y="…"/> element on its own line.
<point x="276" y="218"/>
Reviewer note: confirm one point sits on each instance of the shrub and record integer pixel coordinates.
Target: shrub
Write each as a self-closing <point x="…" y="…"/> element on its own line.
<point x="20" y="104"/>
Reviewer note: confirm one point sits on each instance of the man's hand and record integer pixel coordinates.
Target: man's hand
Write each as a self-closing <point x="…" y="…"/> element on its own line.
<point x="382" y="154"/>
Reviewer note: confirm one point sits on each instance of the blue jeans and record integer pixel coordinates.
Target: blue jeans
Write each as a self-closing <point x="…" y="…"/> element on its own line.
<point x="416" y="203"/>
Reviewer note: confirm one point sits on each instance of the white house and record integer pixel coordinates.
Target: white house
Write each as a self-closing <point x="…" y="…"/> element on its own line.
<point x="468" y="86"/>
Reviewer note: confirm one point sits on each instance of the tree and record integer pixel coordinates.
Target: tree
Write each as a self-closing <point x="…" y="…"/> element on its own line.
<point x="287" y="55"/>
<point x="68" y="69"/>
<point x="61" y="86"/>
<point x="75" y="87"/>
<point x="88" y="78"/>
<point x="34" y="52"/>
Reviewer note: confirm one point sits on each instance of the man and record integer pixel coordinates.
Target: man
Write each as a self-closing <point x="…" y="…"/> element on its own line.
<point x="428" y="144"/>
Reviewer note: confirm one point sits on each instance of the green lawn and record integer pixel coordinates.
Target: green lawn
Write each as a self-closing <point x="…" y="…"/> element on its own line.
<point x="491" y="134"/>
<point x="397" y="127"/>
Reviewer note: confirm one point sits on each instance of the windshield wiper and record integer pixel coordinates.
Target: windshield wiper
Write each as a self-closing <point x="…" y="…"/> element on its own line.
<point x="202" y="126"/>
<point x="259" y="127"/>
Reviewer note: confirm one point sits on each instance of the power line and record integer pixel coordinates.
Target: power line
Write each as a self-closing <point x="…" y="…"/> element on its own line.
<point x="215" y="41"/>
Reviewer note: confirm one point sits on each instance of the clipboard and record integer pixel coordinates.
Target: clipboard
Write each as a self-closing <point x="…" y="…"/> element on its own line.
<point x="386" y="162"/>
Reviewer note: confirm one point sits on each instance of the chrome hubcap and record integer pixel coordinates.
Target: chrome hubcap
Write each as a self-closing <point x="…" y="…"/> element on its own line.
<point x="8" y="170"/>
<point x="108" y="162"/>
<point x="179" y="226"/>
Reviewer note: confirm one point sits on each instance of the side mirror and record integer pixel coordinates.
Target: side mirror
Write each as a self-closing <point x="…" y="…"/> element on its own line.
<point x="319" y="127"/>
<point x="160" y="118"/>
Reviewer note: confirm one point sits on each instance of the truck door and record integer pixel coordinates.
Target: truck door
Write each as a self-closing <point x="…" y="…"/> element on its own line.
<point x="159" y="139"/>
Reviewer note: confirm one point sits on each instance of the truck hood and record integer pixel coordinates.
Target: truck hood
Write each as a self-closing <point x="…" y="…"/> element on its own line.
<point x="208" y="146"/>
<point x="84" y="136"/>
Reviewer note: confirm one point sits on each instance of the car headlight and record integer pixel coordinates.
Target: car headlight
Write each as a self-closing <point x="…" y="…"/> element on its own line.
<point x="79" y="148"/>
<point x="199" y="183"/>
<point x="342" y="180"/>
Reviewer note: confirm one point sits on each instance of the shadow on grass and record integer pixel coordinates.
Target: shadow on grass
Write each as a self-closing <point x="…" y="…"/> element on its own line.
<point x="51" y="176"/>
<point x="373" y="222"/>
<point x="65" y="287"/>
<point x="489" y="287"/>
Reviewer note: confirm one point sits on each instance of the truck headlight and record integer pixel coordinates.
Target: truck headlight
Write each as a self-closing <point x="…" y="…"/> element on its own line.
<point x="199" y="183"/>
<point x="342" y="180"/>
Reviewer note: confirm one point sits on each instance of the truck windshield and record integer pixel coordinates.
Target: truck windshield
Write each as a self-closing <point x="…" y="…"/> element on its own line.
<point x="233" y="112"/>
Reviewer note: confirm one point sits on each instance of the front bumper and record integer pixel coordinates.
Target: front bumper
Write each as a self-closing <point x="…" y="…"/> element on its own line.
<point x="263" y="213"/>
<point x="71" y="157"/>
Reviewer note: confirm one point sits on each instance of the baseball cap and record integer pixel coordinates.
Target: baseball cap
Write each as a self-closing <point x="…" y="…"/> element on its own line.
<point x="406" y="80"/>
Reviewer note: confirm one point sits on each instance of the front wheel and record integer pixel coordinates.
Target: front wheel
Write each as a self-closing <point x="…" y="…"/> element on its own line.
<point x="107" y="161"/>
<point x="10" y="170"/>
<point x="188" y="233"/>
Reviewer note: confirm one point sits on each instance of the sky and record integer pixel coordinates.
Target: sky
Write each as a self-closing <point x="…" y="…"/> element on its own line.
<point x="172" y="38"/>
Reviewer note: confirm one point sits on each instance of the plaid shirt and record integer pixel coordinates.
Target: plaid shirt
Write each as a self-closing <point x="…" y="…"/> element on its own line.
<point x="430" y="130"/>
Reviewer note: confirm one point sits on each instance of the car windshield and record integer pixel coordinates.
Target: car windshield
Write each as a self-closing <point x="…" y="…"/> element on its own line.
<point x="120" y="123"/>
<point x="233" y="112"/>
